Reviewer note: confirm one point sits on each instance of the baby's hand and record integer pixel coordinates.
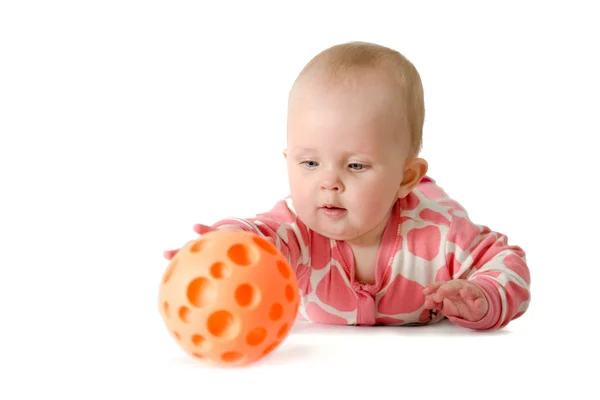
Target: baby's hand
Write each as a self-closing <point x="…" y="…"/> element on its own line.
<point x="199" y="229"/>
<point x="456" y="298"/>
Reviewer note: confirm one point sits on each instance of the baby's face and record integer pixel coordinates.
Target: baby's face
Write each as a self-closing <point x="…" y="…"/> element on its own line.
<point x="345" y="157"/>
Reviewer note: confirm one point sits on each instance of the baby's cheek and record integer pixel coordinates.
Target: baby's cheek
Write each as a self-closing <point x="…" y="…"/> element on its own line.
<point x="374" y="208"/>
<point x="376" y="198"/>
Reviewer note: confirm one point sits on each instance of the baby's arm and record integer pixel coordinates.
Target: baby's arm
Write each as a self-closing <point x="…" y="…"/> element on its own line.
<point x="279" y="225"/>
<point x="483" y="257"/>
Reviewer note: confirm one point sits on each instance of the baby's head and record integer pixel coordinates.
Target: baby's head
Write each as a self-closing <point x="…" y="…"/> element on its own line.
<point x="355" y="120"/>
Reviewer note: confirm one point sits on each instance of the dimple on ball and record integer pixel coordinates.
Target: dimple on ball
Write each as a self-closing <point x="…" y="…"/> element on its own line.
<point x="229" y="298"/>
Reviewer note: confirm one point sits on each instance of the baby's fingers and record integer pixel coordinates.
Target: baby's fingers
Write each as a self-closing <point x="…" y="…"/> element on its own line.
<point x="432" y="287"/>
<point x="480" y="305"/>
<point x="431" y="304"/>
<point x="169" y="254"/>
<point x="201" y="229"/>
<point x="469" y="293"/>
<point x="449" y="289"/>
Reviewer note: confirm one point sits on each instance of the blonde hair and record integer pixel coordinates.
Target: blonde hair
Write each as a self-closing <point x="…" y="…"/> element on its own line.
<point x="341" y="58"/>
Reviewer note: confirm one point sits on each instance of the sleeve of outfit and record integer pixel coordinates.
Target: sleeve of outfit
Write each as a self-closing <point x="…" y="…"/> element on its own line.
<point x="280" y="225"/>
<point x="484" y="257"/>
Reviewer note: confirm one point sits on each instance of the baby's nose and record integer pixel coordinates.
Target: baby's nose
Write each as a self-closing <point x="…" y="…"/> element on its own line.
<point x="332" y="184"/>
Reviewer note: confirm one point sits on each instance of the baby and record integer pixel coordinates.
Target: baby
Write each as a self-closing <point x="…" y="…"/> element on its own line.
<point x="372" y="239"/>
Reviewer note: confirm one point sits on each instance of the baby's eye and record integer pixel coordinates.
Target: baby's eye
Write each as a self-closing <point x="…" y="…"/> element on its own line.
<point x="356" y="166"/>
<point x="310" y="164"/>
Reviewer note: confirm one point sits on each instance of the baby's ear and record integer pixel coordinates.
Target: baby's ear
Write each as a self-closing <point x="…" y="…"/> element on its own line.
<point x="414" y="170"/>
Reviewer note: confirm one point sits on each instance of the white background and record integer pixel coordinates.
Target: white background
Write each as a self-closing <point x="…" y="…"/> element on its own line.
<point x="123" y="123"/>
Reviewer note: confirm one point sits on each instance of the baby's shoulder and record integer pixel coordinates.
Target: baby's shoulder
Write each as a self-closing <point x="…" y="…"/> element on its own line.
<point x="428" y="204"/>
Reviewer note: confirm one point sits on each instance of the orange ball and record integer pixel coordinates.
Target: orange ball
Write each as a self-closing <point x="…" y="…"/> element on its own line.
<point x="229" y="297"/>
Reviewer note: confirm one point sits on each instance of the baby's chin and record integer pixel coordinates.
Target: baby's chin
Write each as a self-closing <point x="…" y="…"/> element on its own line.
<point x="340" y="235"/>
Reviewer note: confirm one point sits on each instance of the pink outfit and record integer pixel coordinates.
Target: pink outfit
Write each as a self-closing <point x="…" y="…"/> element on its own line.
<point x="428" y="238"/>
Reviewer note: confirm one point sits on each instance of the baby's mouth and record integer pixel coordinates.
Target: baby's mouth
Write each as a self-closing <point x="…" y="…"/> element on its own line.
<point x="333" y="211"/>
<point x="332" y="207"/>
